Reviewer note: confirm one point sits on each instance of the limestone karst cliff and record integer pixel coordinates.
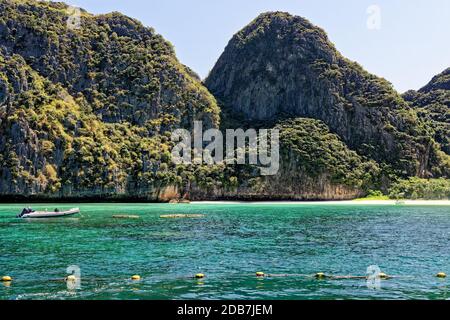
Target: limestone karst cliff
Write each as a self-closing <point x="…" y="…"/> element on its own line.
<point x="87" y="113"/>
<point x="281" y="66"/>
<point x="433" y="104"/>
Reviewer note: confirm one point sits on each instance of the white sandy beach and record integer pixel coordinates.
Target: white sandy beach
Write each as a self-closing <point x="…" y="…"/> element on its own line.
<point x="334" y="203"/>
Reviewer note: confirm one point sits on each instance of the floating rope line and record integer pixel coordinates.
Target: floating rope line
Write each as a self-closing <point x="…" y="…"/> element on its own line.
<point x="7" y="280"/>
<point x="127" y="216"/>
<point x="321" y="275"/>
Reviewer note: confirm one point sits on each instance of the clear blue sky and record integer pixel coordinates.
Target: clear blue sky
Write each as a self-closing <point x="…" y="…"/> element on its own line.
<point x="410" y="48"/>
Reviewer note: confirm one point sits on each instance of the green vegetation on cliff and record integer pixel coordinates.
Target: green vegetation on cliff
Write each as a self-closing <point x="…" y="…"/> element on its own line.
<point x="433" y="105"/>
<point x="125" y="71"/>
<point x="53" y="141"/>
<point x="89" y="111"/>
<point x="282" y="66"/>
<point x="317" y="151"/>
<point x="423" y="189"/>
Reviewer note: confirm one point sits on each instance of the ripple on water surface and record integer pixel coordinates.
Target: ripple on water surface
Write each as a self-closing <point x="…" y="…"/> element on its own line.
<point x="229" y="244"/>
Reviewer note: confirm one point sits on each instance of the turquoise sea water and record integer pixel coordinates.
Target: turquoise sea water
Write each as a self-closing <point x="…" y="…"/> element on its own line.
<point x="229" y="245"/>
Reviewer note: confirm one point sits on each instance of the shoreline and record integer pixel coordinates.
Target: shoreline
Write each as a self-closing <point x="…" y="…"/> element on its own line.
<point x="343" y="202"/>
<point x="269" y="202"/>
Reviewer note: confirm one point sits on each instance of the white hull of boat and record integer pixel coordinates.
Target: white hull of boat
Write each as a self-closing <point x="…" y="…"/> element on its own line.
<point x="47" y="214"/>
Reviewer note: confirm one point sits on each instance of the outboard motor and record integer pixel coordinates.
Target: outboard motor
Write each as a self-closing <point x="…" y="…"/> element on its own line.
<point x="24" y="211"/>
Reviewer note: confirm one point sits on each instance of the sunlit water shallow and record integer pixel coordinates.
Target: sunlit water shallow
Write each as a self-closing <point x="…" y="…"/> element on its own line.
<point x="229" y="245"/>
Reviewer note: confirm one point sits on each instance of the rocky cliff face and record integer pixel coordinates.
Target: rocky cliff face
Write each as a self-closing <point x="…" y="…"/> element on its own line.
<point x="87" y="113"/>
<point x="52" y="146"/>
<point x="433" y="105"/>
<point x="315" y="165"/>
<point x="281" y="66"/>
<point x="125" y="71"/>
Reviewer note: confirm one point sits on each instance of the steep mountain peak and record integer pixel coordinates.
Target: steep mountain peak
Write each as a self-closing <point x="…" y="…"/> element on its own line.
<point x="125" y="71"/>
<point x="439" y="82"/>
<point x="282" y="66"/>
<point x="433" y="104"/>
<point x="282" y="27"/>
<point x="54" y="6"/>
<point x="276" y="19"/>
<point x="87" y="109"/>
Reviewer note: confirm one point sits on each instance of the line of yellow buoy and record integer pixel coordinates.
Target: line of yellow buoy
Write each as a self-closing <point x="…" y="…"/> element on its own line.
<point x="259" y="274"/>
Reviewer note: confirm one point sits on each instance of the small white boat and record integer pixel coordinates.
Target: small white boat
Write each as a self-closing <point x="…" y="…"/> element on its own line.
<point x="31" y="214"/>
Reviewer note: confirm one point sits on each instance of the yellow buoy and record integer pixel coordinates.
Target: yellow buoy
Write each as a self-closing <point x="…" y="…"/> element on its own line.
<point x="6" y="279"/>
<point x="320" y="275"/>
<point x="441" y="275"/>
<point x="383" y="276"/>
<point x="136" y="277"/>
<point x="71" y="278"/>
<point x="199" y="276"/>
<point x="260" y="274"/>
